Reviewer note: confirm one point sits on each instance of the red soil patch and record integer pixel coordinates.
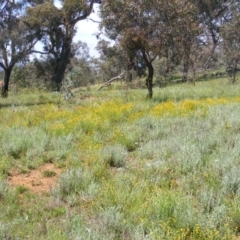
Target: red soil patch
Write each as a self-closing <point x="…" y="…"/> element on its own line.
<point x="35" y="179"/>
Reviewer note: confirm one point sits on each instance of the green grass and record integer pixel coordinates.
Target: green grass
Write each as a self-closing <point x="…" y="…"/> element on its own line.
<point x="133" y="168"/>
<point x="48" y="173"/>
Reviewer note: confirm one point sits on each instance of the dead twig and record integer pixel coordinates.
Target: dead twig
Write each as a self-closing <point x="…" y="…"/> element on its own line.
<point x="120" y="76"/>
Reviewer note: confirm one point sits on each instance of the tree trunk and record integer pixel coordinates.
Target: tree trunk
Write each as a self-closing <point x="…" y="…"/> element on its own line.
<point x="129" y="76"/>
<point x="206" y="65"/>
<point x="149" y="80"/>
<point x="234" y="72"/>
<point x="61" y="65"/>
<point x="5" y="86"/>
<point x="130" y="66"/>
<point x="185" y="71"/>
<point x="186" y="58"/>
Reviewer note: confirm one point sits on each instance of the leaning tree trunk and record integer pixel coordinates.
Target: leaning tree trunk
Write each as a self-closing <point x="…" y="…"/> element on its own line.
<point x="206" y="64"/>
<point x="5" y="86"/>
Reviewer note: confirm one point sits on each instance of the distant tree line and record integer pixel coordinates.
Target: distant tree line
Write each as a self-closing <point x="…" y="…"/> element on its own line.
<point x="182" y="33"/>
<point x="149" y="37"/>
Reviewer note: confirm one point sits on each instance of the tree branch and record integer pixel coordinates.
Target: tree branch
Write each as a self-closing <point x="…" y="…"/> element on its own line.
<point x="120" y="76"/>
<point x="35" y="51"/>
<point x="93" y="20"/>
<point x="88" y="12"/>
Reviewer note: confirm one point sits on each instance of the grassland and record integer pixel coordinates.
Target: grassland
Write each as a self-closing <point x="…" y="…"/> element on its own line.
<point x="132" y="168"/>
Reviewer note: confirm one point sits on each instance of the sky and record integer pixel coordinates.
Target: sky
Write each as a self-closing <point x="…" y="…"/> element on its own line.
<point x="85" y="33"/>
<point x="86" y="30"/>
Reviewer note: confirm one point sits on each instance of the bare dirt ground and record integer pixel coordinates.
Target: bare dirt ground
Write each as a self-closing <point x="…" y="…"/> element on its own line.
<point x="35" y="179"/>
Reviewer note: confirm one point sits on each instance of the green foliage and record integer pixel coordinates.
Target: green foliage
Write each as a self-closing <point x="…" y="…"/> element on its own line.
<point x="21" y="189"/>
<point x="73" y="181"/>
<point x="49" y="174"/>
<point x="4" y="190"/>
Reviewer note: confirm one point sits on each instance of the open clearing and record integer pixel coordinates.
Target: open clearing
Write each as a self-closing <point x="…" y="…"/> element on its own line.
<point x="35" y="179"/>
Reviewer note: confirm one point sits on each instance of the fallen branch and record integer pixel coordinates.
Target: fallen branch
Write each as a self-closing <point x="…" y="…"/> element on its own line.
<point x="120" y="76"/>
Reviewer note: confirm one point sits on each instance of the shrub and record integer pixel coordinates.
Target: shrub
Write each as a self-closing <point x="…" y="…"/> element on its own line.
<point x="73" y="181"/>
<point x="114" y="155"/>
<point x="48" y="174"/>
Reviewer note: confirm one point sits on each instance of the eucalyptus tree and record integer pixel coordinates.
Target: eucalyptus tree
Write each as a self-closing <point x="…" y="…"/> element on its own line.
<point x="58" y="27"/>
<point x="186" y="29"/>
<point x="45" y="65"/>
<point x="230" y="34"/>
<point x="131" y="23"/>
<point x="113" y="59"/>
<point x="147" y="27"/>
<point x="16" y="39"/>
<point x="81" y="72"/>
<point x="212" y="14"/>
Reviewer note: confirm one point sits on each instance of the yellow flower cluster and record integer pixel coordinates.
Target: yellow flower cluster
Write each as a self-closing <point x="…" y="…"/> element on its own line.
<point x="164" y="108"/>
<point x="100" y="114"/>
<point x="188" y="106"/>
<point x="87" y="118"/>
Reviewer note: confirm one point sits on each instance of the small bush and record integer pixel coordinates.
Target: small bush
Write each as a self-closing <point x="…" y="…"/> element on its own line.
<point x="73" y="181"/>
<point x="4" y="190"/>
<point x="48" y="173"/>
<point x="115" y="155"/>
<point x="21" y="189"/>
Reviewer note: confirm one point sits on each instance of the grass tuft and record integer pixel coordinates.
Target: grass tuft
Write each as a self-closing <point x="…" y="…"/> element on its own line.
<point x="114" y="155"/>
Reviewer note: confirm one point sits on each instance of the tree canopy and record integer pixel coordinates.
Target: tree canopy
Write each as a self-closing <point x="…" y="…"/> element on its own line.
<point x="16" y="38"/>
<point x="57" y="26"/>
<point x="152" y="28"/>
